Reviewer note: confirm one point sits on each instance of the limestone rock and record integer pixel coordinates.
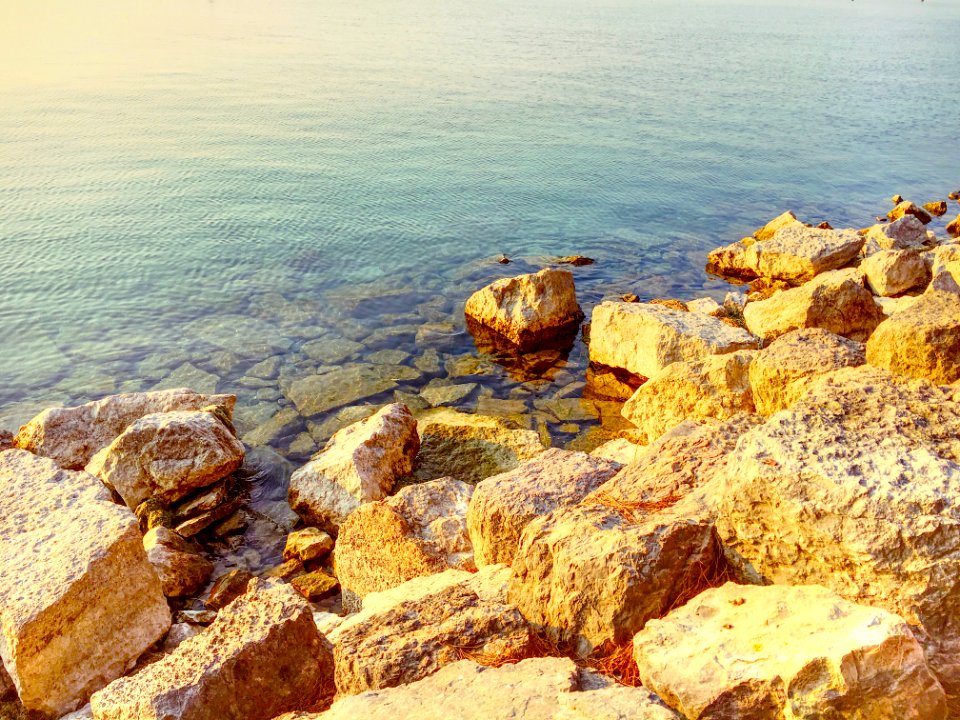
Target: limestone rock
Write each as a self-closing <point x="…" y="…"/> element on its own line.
<point x="471" y="447"/>
<point x="307" y="544"/>
<point x="903" y="234"/>
<point x="786" y="652"/>
<point x="317" y="394"/>
<point x="908" y="208"/>
<point x="937" y="208"/>
<point x="787" y="219"/>
<point x="419" y="531"/>
<point x="359" y="464"/>
<point x="504" y="504"/>
<point x="953" y="227"/>
<point x="166" y="456"/>
<point x="73" y="435"/>
<point x="716" y="387"/>
<point x="707" y="306"/>
<point x="892" y="272"/>
<point x="781" y="373"/>
<point x="798" y="253"/>
<point x="943" y="256"/>
<point x="921" y="341"/>
<point x="227" y="588"/>
<point x="643" y="338"/>
<point x="182" y="570"/>
<point x="315" y="585"/>
<point x="620" y="450"/>
<point x="73" y="571"/>
<point x="836" y="301"/>
<point x="261" y="657"/>
<point x="527" y="310"/>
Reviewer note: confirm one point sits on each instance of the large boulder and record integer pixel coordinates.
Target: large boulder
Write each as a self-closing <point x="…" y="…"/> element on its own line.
<point x="535" y="689"/>
<point x="852" y="488"/>
<point x="716" y="387"/>
<point x="73" y="435"/>
<point x="786" y="652"/>
<point x="943" y="256"/>
<point x="262" y="656"/>
<point x="527" y="310"/>
<point x="503" y="504"/>
<point x="782" y="372"/>
<point x="419" y="531"/>
<point x="905" y="208"/>
<point x="359" y="464"/>
<point x="836" y="301"/>
<point x="166" y="456"/>
<point x="181" y="569"/>
<point x="922" y="340"/>
<point x="73" y="572"/>
<point x="893" y="272"/>
<point x="797" y="253"/>
<point x="731" y="260"/>
<point x="903" y="234"/>
<point x="644" y="338"/>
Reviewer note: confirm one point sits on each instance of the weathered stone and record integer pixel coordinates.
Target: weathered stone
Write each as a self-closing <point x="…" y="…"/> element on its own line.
<point x="798" y="253"/>
<point x="943" y="256"/>
<point x="781" y="373"/>
<point x="182" y="570"/>
<point x="317" y="394"/>
<point x="908" y="208"/>
<point x="716" y="387"/>
<point x="836" y="301"/>
<point x="73" y="571"/>
<point x="504" y="504"/>
<point x="937" y="208"/>
<point x="205" y="500"/>
<point x="620" y="450"/>
<point x="261" y="657"/>
<point x="953" y="227"/>
<point x="419" y="531"/>
<point x="199" y="523"/>
<point x="315" y="585"/>
<point x="707" y="306"/>
<point x="167" y="456"/>
<point x="73" y="435"/>
<point x="307" y="544"/>
<point x="267" y="433"/>
<point x="360" y="463"/>
<point x="903" y="234"/>
<point x="471" y="447"/>
<point x="227" y="588"/>
<point x="786" y="652"/>
<point x="331" y="349"/>
<point x="189" y="375"/>
<point x="177" y="634"/>
<point x="437" y="395"/>
<point x="891" y="306"/>
<point x="921" y="341"/>
<point x="527" y="310"/>
<point x="643" y="338"/>
<point x="892" y="272"/>
<point x="787" y="219"/>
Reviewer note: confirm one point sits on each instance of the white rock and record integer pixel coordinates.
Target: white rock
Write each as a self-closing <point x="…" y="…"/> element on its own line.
<point x="893" y="272"/>
<point x="906" y="233"/>
<point x="619" y="450"/>
<point x="707" y="306"/>
<point x="797" y="253"/>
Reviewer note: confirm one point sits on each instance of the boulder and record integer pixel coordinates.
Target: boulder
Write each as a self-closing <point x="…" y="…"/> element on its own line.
<point x="908" y="208"/>
<point x="786" y="652"/>
<point x="787" y="219"/>
<point x="836" y="301"/>
<point x="852" y="488"/>
<point x="781" y="373"/>
<point x="504" y="504"/>
<point x="707" y="306"/>
<point x="71" y="436"/>
<point x="73" y="571"/>
<point x="315" y="585"/>
<point x="419" y="531"/>
<point x="953" y="227"/>
<point x="907" y="233"/>
<point x="922" y="340"/>
<point x="891" y="306"/>
<point x="166" y="456"/>
<point x="893" y="272"/>
<point x="471" y="447"/>
<point x="644" y="338"/>
<point x="262" y="656"/>
<point x="937" y="208"/>
<point x="620" y="450"/>
<point x="943" y="256"/>
<point x="227" y="588"/>
<point x="716" y="387"/>
<point x="182" y="570"/>
<point x="307" y="544"/>
<point x="534" y="689"/>
<point x="359" y="464"/>
<point x="527" y="310"/>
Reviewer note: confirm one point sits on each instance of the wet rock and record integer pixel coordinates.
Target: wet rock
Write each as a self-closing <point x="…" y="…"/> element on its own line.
<point x="503" y="505"/>
<point x="286" y="570"/>
<point x="717" y="387"/>
<point x="317" y="394"/>
<point x="261" y="657"/>
<point x="227" y="588"/>
<point x="893" y="272"/>
<point x="610" y="383"/>
<point x="240" y="335"/>
<point x="576" y="260"/>
<point x="782" y="373"/>
<point x="182" y="570"/>
<point x="471" y="447"/>
<point x="428" y="361"/>
<point x="302" y="444"/>
<point x="266" y="369"/>
<point x="307" y="544"/>
<point x="330" y="349"/>
<point x="527" y="310"/>
<point x="71" y="436"/>
<point x="389" y="357"/>
<point x="643" y="338"/>
<point x="6" y="440"/>
<point x="204" y="500"/>
<point x="337" y="421"/>
<point x="419" y="531"/>
<point x="73" y="568"/>
<point x="953" y="227"/>
<point x="199" y="523"/>
<point x="315" y="585"/>
<point x="764" y="652"/>
<point x="937" y="208"/>
<point x="196" y="617"/>
<point x="282" y="423"/>
<point x="836" y="301"/>
<point x="439" y="393"/>
<point x="904" y="234"/>
<point x="360" y="463"/>
<point x="189" y="375"/>
<point x="167" y="456"/>
<point x="908" y="208"/>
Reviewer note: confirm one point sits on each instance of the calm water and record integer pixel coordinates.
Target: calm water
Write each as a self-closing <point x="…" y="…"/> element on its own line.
<point x="190" y="187"/>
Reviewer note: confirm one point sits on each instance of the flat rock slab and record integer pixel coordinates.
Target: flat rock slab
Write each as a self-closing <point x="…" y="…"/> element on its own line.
<point x="316" y="394"/>
<point x="905" y="233"/>
<point x="796" y="652"/>
<point x="73" y="571"/>
<point x="261" y="657"/>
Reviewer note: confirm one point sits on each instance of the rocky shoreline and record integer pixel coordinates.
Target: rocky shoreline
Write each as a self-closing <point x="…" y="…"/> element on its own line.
<point x="770" y="531"/>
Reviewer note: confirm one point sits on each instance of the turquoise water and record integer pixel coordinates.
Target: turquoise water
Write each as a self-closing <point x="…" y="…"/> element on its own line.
<point x="188" y="188"/>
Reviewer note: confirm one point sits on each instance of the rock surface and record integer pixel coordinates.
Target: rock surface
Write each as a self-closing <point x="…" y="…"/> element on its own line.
<point x="261" y="657"/>
<point x="315" y="394"/>
<point x="73" y="435"/>
<point x="716" y="387"/>
<point x="419" y="531"/>
<point x="73" y="571"/>
<point x="181" y="569"/>
<point x="504" y="504"/>
<point x="359" y="464"/>
<point x="786" y="652"/>
<point x="893" y="272"/>
<point x="908" y="208"/>
<point x="906" y="233"/>
<point x="644" y="338"/>
<point x="953" y="227"/>
<point x="797" y="253"/>
<point x="527" y="310"/>
<point x="307" y="544"/>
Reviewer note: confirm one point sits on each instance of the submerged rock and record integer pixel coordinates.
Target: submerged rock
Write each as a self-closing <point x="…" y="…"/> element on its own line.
<point x="893" y="272"/>
<point x="317" y="394"/>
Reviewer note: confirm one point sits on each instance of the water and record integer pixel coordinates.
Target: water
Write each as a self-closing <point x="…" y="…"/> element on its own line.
<point x="188" y="188"/>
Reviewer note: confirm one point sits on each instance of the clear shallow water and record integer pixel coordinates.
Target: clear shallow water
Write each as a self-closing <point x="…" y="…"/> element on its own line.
<point x="189" y="188"/>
